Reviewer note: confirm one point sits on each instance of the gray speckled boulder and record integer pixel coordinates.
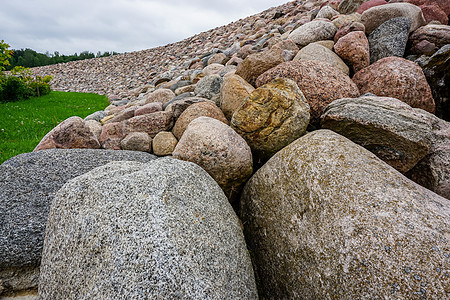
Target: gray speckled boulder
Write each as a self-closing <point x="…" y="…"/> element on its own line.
<point x="325" y="217"/>
<point x="389" y="39"/>
<point x="209" y="87"/>
<point x="28" y="183"/>
<point x="161" y="230"/>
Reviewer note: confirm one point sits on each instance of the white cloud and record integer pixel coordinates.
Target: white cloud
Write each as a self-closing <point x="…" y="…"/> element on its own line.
<point x="115" y="25"/>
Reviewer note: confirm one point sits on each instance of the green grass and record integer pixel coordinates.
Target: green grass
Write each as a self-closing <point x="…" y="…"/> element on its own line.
<point x="23" y="124"/>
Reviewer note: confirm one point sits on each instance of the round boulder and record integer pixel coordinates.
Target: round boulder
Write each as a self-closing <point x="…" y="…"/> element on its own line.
<point x="233" y="92"/>
<point x="164" y="143"/>
<point x="354" y="49"/>
<point x="312" y="32"/>
<point x="315" y="51"/>
<point x="137" y="141"/>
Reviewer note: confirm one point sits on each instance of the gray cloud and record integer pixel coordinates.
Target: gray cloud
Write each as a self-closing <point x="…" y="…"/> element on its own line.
<point x="115" y="25"/>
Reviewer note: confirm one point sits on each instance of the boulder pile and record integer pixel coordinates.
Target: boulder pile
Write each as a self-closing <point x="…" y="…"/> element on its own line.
<point x="322" y="125"/>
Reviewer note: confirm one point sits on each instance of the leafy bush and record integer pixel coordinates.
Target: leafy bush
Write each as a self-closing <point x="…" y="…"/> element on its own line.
<point x="14" y="89"/>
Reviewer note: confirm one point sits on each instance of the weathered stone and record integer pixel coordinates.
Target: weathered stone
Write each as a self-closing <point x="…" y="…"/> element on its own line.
<point x="349" y="6"/>
<point x="354" y="49"/>
<point x="112" y="134"/>
<point x="325" y="216"/>
<point x="436" y="35"/>
<point x="312" y="32"/>
<point x="377" y="15"/>
<point x="432" y="12"/>
<point x="70" y="133"/>
<point x="97" y="116"/>
<point x="212" y="69"/>
<point x="209" y="87"/>
<point x="123" y="115"/>
<point x="150" y="123"/>
<point x="95" y="127"/>
<point x="164" y="143"/>
<point x="218" y="58"/>
<point x="131" y="230"/>
<point x="160" y="95"/>
<point x="392" y="130"/>
<point x="320" y="83"/>
<point x="346" y="19"/>
<point x="177" y="107"/>
<point x="148" y="108"/>
<point x="389" y="39"/>
<point x="353" y="26"/>
<point x="137" y="141"/>
<point x="200" y="109"/>
<point x="272" y="116"/>
<point x="28" y="183"/>
<point x="220" y="151"/>
<point x="398" y="78"/>
<point x="315" y="51"/>
<point x="233" y="92"/>
<point x="326" y="12"/>
<point x="369" y="4"/>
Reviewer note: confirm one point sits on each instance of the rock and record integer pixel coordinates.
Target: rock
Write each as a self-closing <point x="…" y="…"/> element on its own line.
<point x="432" y="12"/>
<point x="158" y="230"/>
<point x="185" y="89"/>
<point x="312" y="32"/>
<point x="347" y="225"/>
<point x="346" y="19"/>
<point x="233" y="92"/>
<point x="245" y="51"/>
<point x="148" y="108"/>
<point x="354" y="49"/>
<point x="377" y="15"/>
<point x="137" y="141"/>
<point x="320" y="83"/>
<point x="97" y="116"/>
<point x="164" y="143"/>
<point x="212" y="69"/>
<point x="112" y="134"/>
<point x="346" y="7"/>
<point x="177" y="107"/>
<point x="443" y="4"/>
<point x="257" y="63"/>
<point x="200" y="109"/>
<point x="389" y="39"/>
<point x="70" y="133"/>
<point x="326" y="12"/>
<point x="327" y="44"/>
<point x="179" y="84"/>
<point x="433" y="171"/>
<point x="392" y="130"/>
<point x="436" y="35"/>
<point x="150" y="123"/>
<point x="318" y="52"/>
<point x="272" y="116"/>
<point x="218" y="58"/>
<point x="437" y="69"/>
<point x="123" y="115"/>
<point x="28" y="183"/>
<point x="160" y="95"/>
<point x="353" y="26"/>
<point x="95" y="127"/>
<point x="369" y="4"/>
<point x="209" y="87"/>
<point x="397" y="78"/>
<point x="219" y="150"/>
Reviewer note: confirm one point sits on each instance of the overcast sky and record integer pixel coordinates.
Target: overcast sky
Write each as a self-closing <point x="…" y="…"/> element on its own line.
<point x="115" y="25"/>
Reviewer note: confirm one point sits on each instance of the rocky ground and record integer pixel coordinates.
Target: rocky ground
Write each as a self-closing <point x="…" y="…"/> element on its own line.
<point x="322" y="125"/>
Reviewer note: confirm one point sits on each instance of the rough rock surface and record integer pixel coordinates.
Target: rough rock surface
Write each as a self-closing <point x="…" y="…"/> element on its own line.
<point x="148" y="108"/>
<point x="354" y="48"/>
<point x="325" y="216"/>
<point x="164" y="143"/>
<point x="160" y="95"/>
<point x="369" y="4"/>
<point x="315" y="51"/>
<point x="209" y="87"/>
<point x="353" y="26"/>
<point x="131" y="230"/>
<point x="436" y="36"/>
<point x="233" y="92"/>
<point x="392" y="130"/>
<point x="312" y="32"/>
<point x="219" y="150"/>
<point x="112" y="134"/>
<point x="70" y="133"/>
<point x="349" y="6"/>
<point x="28" y="183"/>
<point x="320" y="83"/>
<point x="137" y="141"/>
<point x="179" y="106"/>
<point x="397" y="78"/>
<point x="273" y="116"/>
<point x="150" y="123"/>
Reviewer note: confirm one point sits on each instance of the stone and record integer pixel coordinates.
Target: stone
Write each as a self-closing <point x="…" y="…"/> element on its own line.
<point x="272" y="116"/>
<point x="433" y="171"/>
<point x="245" y="51"/>
<point x="257" y="63"/>
<point x="28" y="184"/>
<point x="218" y="58"/>
<point x="389" y="128"/>
<point x="185" y="89"/>
<point x="220" y="151"/>
<point x="160" y="95"/>
<point x="150" y="123"/>
<point x="398" y="78"/>
<point x="436" y="35"/>
<point x="432" y="12"/>
<point x="354" y="49"/>
<point x="164" y="143"/>
<point x="233" y="92"/>
<point x="106" y="119"/>
<point x="112" y="134"/>
<point x="389" y="39"/>
<point x="443" y="4"/>
<point x="209" y="87"/>
<point x="212" y="69"/>
<point x="148" y="108"/>
<point x="123" y="115"/>
<point x="137" y="141"/>
<point x="315" y="51"/>
<point x="346" y="7"/>
<point x="319" y="82"/>
<point x="350" y="27"/>
<point x="326" y="12"/>
<point x="329" y="44"/>
<point x="346" y="19"/>
<point x="369" y="4"/>
<point x="200" y="109"/>
<point x="95" y="127"/>
<point x="179" y="106"/>
<point x="70" y="133"/>
<point x="312" y="32"/>
<point x="132" y="230"/>
<point x="377" y="15"/>
<point x="97" y="116"/>
<point x="325" y="216"/>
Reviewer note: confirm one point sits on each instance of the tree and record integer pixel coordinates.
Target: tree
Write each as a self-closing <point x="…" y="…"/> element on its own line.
<point x="5" y="55"/>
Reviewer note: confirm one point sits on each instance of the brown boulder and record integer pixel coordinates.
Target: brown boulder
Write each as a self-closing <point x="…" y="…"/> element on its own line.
<point x="164" y="143"/>
<point x="432" y="12"/>
<point x="160" y="95"/>
<point x="150" y="123"/>
<point x="112" y="134"/>
<point x="354" y="49"/>
<point x="233" y="92"/>
<point x="148" y="108"/>
<point x="137" y="141"/>
<point x="353" y="26"/>
<point x="428" y="39"/>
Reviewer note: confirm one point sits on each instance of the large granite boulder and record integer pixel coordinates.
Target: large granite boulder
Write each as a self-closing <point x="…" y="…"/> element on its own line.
<point x="325" y="217"/>
<point x="314" y="31"/>
<point x="354" y="49"/>
<point x="428" y="39"/>
<point x="316" y="51"/>
<point x="150" y="123"/>
<point x="28" y="183"/>
<point x="272" y="116"/>
<point x="388" y="127"/>
<point x="209" y="87"/>
<point x="233" y="92"/>
<point x="158" y="230"/>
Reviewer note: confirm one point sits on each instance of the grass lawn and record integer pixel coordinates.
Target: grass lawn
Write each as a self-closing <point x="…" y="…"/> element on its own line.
<point x="23" y="124"/>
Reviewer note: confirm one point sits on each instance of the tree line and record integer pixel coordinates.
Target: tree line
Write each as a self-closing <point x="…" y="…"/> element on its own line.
<point x="29" y="58"/>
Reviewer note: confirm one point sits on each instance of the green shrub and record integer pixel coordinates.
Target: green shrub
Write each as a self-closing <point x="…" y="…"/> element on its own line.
<point x="14" y="89"/>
